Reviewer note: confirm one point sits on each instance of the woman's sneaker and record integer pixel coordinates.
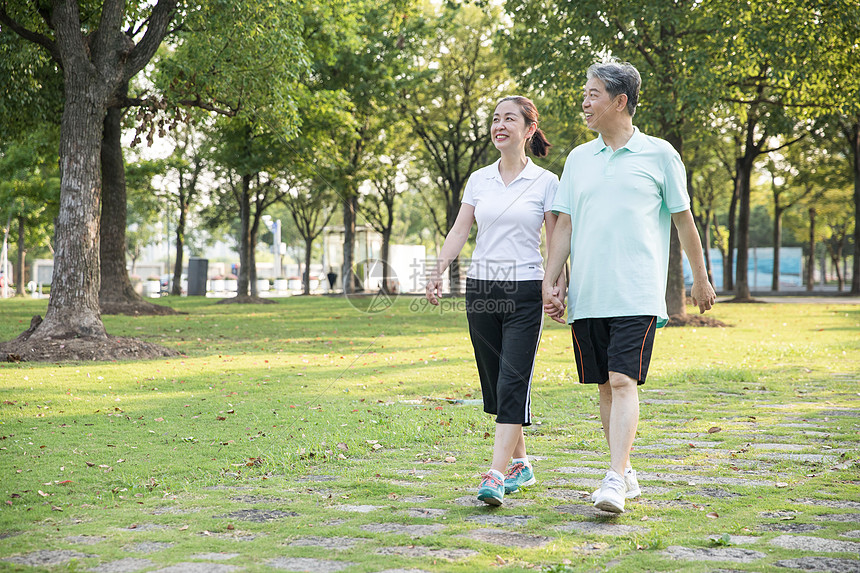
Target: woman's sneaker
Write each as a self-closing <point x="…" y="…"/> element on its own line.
<point x="632" y="483"/>
<point x="611" y="495"/>
<point x="492" y="490"/>
<point x="519" y="475"/>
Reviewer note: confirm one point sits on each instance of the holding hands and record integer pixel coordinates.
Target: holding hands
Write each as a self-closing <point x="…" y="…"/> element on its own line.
<point x="553" y="300"/>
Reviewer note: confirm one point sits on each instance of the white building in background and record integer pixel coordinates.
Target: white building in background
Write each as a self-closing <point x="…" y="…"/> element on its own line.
<point x="406" y="262"/>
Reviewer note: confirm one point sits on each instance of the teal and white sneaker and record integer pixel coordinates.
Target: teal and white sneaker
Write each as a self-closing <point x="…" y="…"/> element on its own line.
<point x="519" y="475"/>
<point x="492" y="490"/>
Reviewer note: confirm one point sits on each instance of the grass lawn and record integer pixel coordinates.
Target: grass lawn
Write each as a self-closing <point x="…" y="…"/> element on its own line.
<point x="347" y="422"/>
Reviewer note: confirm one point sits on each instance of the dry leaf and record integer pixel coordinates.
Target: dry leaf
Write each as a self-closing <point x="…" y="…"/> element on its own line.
<point x="714" y="430"/>
<point x="713" y="515"/>
<point x="342" y="447"/>
<point x="450" y="459"/>
<point x="42" y="493"/>
<point x="183" y="528"/>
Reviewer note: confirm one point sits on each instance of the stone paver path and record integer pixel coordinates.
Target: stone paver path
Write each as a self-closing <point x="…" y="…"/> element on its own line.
<point x="756" y="495"/>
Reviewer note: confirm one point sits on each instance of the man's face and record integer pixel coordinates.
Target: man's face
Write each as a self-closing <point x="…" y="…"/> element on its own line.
<point x="597" y="104"/>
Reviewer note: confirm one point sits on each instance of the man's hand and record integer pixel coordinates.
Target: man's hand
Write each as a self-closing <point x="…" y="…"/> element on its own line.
<point x="433" y="290"/>
<point x="703" y="295"/>
<point x="553" y="305"/>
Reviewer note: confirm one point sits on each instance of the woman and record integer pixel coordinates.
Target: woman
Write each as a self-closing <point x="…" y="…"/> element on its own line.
<point x="510" y="200"/>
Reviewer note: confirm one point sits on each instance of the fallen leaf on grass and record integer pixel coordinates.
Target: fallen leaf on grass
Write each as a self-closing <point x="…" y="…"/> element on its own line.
<point x="714" y="430"/>
<point x="42" y="493"/>
<point x="56" y="508"/>
<point x="450" y="459"/>
<point x="183" y="528"/>
<point x="713" y="515"/>
<point x="343" y="447"/>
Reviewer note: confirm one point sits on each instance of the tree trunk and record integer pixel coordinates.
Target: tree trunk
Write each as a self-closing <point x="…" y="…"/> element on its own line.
<point x="676" y="296"/>
<point x="676" y="293"/>
<point x="855" y="151"/>
<point x="252" y="258"/>
<point x="777" y="243"/>
<point x="835" y="258"/>
<point x="21" y="272"/>
<point x="244" y="238"/>
<point x="176" y="290"/>
<point x="350" y="206"/>
<point x="454" y="268"/>
<point x="306" y="275"/>
<point x="386" y="248"/>
<point x="706" y="248"/>
<point x="810" y="262"/>
<point x="729" y="258"/>
<point x="116" y="294"/>
<point x="73" y="309"/>
<point x="744" y="171"/>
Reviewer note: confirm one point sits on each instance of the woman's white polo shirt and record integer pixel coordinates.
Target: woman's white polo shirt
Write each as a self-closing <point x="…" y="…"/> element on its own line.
<point x="509" y="220"/>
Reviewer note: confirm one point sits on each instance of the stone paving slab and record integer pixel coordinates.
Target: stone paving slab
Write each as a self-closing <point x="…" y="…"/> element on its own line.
<point x="839" y="517"/>
<point x="818" y="544"/>
<point x="733" y="554"/>
<point x="214" y="556"/>
<point x="47" y="557"/>
<point x="257" y="515"/>
<point x="420" y="551"/>
<point x="127" y="565"/>
<point x="601" y="528"/>
<point x="834" y="503"/>
<point x="307" y="564"/>
<point x="426" y="512"/>
<point x="192" y="567"/>
<point x="336" y="543"/>
<point x="504" y="520"/>
<point x="414" y="531"/>
<point x="85" y="539"/>
<point x="507" y="538"/>
<point x="823" y="564"/>
<point x="736" y="539"/>
<point x="149" y="546"/>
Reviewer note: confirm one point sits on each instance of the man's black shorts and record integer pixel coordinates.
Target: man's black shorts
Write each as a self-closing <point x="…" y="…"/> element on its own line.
<point x="618" y="344"/>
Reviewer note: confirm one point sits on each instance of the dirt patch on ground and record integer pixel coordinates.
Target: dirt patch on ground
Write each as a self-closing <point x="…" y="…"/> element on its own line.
<point x="694" y="320"/>
<point x="137" y="308"/>
<point x="109" y="348"/>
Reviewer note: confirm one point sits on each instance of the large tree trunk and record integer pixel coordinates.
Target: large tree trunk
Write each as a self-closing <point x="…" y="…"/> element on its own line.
<point x="350" y="206"/>
<point x="855" y="152"/>
<point x="116" y="294"/>
<point x="21" y="272"/>
<point x="386" y="248"/>
<point x="777" y="243"/>
<point x="706" y="248"/>
<point x="244" y="238"/>
<point x="744" y="171"/>
<point x="810" y="261"/>
<point x="306" y="274"/>
<point x="176" y="290"/>
<point x="452" y="211"/>
<point x="676" y="296"/>
<point x="729" y="259"/>
<point x="73" y="309"/>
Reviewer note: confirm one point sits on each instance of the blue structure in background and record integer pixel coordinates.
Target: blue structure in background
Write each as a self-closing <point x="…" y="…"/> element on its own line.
<point x="759" y="268"/>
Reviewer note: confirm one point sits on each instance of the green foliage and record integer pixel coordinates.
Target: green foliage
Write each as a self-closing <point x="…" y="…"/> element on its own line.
<point x="30" y="183"/>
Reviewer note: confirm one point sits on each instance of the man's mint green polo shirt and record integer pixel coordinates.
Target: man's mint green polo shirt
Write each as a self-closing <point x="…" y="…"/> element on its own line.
<point x="620" y="204"/>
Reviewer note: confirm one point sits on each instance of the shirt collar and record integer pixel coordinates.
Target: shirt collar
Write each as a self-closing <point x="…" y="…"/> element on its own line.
<point x="530" y="171"/>
<point x="634" y="144"/>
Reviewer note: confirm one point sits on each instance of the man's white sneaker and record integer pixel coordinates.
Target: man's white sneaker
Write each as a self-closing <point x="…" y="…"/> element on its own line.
<point x="632" y="483"/>
<point x="611" y="495"/>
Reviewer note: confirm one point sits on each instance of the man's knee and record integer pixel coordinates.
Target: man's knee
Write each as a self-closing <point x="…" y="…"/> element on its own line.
<point x="618" y="381"/>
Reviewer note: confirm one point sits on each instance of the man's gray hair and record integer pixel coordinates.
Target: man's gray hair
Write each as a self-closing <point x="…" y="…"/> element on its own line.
<point x="619" y="78"/>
